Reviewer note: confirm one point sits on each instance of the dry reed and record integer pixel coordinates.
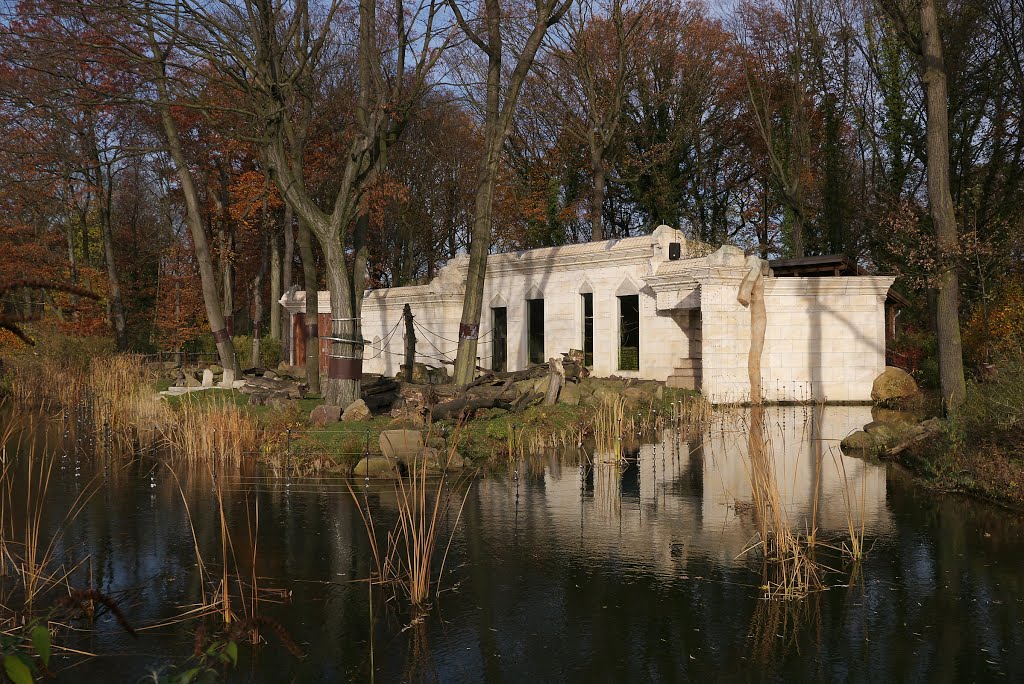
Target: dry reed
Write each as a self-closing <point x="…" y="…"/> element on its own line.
<point x="406" y="562"/>
<point x="788" y="569"/>
<point x="27" y="549"/>
<point x="854" y="549"/>
<point x="113" y="406"/>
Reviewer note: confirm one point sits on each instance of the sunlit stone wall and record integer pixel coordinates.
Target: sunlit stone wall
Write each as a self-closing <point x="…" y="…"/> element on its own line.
<point x="825" y="338"/>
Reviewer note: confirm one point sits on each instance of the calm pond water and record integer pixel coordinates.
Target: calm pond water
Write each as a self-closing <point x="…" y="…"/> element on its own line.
<point x="559" y="573"/>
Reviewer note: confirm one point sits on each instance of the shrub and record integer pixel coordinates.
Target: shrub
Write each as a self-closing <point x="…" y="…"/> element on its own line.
<point x="270" y="351"/>
<point x="994" y="410"/>
<point x="997" y="328"/>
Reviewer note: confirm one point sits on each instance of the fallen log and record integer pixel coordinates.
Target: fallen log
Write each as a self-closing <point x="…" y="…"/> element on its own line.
<point x="465" y="405"/>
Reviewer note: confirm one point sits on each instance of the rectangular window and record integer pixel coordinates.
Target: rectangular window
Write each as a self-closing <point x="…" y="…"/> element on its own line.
<point x="629" y="333"/>
<point x="588" y="328"/>
<point x="499" y="338"/>
<point x="535" y="330"/>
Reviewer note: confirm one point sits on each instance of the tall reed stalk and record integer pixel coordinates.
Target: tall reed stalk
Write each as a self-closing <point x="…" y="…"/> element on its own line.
<point x="855" y="548"/>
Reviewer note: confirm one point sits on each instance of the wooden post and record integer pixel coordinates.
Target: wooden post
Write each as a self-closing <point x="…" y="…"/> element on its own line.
<point x="556" y="379"/>
<point x="410" y="343"/>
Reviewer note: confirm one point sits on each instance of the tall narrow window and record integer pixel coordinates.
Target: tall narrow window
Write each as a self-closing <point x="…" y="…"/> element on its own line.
<point x="535" y="330"/>
<point x="499" y="338"/>
<point x="629" y="333"/>
<point x="588" y="328"/>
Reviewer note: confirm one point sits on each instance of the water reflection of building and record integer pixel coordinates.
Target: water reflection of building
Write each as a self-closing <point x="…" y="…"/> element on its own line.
<point x="674" y="499"/>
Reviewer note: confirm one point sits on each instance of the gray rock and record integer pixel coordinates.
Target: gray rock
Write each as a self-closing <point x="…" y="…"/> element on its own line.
<point x="215" y="369"/>
<point x="207" y="378"/>
<point x="356" y="411"/>
<point x="401" y="444"/>
<point x="324" y="414"/>
<point x="857" y="441"/>
<point x="884" y="415"/>
<point x="422" y="374"/>
<point x="635" y="394"/>
<point x="269" y="374"/>
<point x="893" y="385"/>
<point x="886" y="434"/>
<point x="377" y="466"/>
<point x="570" y="394"/>
<point x="438" y="460"/>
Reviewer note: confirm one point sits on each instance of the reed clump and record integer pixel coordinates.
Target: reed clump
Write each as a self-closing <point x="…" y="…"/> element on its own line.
<point x="220" y="432"/>
<point x="110" y="405"/>
<point x="29" y="568"/>
<point x="406" y="559"/>
<point x="788" y="569"/>
<point x="610" y="425"/>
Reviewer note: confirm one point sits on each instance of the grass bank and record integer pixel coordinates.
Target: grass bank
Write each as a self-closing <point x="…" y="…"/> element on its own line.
<point x="981" y="451"/>
<point x="113" y="398"/>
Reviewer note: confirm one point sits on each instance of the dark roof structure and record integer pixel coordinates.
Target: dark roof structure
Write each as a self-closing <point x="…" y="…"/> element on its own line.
<point x="827" y="265"/>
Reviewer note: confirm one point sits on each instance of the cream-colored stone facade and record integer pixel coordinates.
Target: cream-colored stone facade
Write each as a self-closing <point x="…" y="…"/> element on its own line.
<point x="825" y="337"/>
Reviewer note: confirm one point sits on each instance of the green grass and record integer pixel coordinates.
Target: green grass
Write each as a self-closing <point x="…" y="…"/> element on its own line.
<point x="982" y="451"/>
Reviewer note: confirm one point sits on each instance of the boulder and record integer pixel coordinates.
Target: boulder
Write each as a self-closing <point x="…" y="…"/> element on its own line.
<point x="884" y="415"/>
<point x="634" y="394"/>
<point x="886" y="434"/>
<point x="401" y="445"/>
<point x="281" y="403"/>
<point x="207" y="378"/>
<point x="356" y="411"/>
<point x="857" y="441"/>
<point x="188" y="379"/>
<point x="377" y="466"/>
<point x="215" y="369"/>
<point x="422" y="374"/>
<point x="269" y="374"/>
<point x="437" y="459"/>
<point x="570" y="394"/>
<point x="893" y="385"/>
<point x="324" y="414"/>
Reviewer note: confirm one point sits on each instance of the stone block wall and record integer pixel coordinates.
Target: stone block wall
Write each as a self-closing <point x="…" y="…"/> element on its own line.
<point x="825" y="338"/>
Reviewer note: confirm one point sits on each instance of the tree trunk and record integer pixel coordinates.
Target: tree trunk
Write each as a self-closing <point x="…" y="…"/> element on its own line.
<point x="116" y="300"/>
<point x="275" y="288"/>
<point x="597" y="199"/>
<point x="227" y="254"/>
<point x="312" y="312"/>
<point x="286" y="278"/>
<point x="940" y="204"/>
<point x="207" y="276"/>
<point x="257" y="320"/>
<point x="480" y="242"/>
<point x="341" y="387"/>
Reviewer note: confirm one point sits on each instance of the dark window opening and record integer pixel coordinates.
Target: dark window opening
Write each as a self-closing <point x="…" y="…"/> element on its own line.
<point x="499" y="339"/>
<point x="629" y="333"/>
<point x="588" y="329"/>
<point x="535" y="330"/>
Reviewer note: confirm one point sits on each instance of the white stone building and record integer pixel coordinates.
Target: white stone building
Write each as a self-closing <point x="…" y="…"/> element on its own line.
<point x="656" y="307"/>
